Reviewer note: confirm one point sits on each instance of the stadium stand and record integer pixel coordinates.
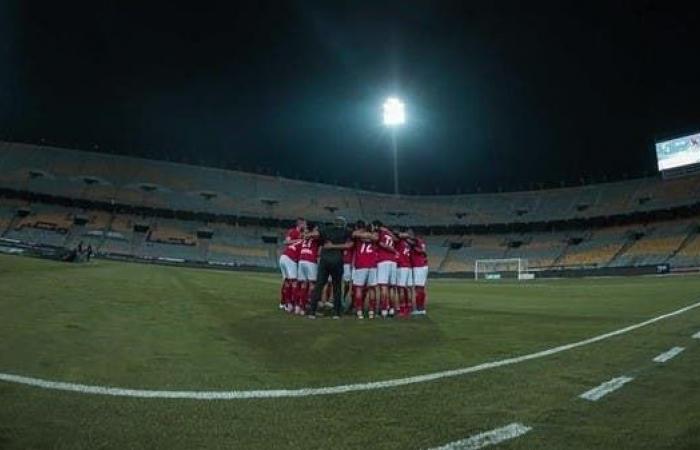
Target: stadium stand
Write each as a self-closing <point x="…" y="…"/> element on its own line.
<point x="152" y="209"/>
<point x="176" y="186"/>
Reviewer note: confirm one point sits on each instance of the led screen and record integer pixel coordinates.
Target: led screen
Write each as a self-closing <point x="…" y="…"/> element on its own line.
<point x="678" y="152"/>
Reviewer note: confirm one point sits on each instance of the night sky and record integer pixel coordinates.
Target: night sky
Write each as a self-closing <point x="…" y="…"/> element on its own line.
<point x="499" y="95"/>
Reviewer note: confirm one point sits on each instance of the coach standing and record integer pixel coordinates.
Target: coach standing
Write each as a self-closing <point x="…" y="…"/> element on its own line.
<point x="335" y="239"/>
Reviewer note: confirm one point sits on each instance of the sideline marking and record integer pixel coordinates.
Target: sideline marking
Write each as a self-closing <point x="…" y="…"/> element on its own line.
<point x="341" y="389"/>
<point x="604" y="389"/>
<point x="665" y="356"/>
<point x="487" y="438"/>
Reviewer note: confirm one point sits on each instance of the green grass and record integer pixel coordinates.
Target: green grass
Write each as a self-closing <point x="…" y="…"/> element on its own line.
<point x="155" y="327"/>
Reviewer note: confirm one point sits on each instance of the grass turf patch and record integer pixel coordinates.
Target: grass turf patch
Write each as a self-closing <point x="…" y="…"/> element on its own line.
<point x="157" y="327"/>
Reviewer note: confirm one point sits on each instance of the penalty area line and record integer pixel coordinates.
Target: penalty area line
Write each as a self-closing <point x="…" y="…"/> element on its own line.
<point x="493" y="437"/>
<point x="329" y="390"/>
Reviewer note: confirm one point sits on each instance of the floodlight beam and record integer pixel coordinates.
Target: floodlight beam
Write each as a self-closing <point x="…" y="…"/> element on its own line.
<point x="394" y="115"/>
<point x="396" y="165"/>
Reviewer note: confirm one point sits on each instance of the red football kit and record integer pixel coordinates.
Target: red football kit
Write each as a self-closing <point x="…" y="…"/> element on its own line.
<point x="309" y="250"/>
<point x="419" y="257"/>
<point x="365" y="254"/>
<point x="404" y="255"/>
<point x="386" y="238"/>
<point x="292" y="250"/>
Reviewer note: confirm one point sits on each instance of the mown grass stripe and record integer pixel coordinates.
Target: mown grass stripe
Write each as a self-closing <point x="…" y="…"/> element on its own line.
<point x="341" y="389"/>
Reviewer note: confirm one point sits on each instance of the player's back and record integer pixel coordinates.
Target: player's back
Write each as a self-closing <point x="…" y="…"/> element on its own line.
<point x="365" y="254"/>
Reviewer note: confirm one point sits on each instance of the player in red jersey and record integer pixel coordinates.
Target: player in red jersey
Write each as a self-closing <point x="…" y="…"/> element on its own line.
<point x="386" y="266"/>
<point x="307" y="269"/>
<point x="364" y="272"/>
<point x="288" y="264"/>
<point x="404" y="274"/>
<point x="419" y="260"/>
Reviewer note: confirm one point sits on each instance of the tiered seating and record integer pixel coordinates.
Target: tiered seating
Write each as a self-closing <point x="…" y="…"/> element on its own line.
<point x="540" y="249"/>
<point x="56" y="219"/>
<point x="689" y="255"/>
<point x="138" y="182"/>
<point x="485" y="246"/>
<point x="596" y="256"/>
<point x="551" y="204"/>
<point x="161" y="184"/>
<point x="669" y="193"/>
<point x="599" y="247"/>
<point x="617" y="198"/>
<point x="651" y="250"/>
<point x="657" y="245"/>
<point x="36" y="235"/>
<point x="456" y="261"/>
<point x="171" y="232"/>
<point x="45" y="224"/>
<point x="98" y="220"/>
<point x="475" y="247"/>
<point x="123" y="223"/>
<point x="438" y="249"/>
<point x="7" y="214"/>
<point x="242" y="245"/>
<point x="670" y="241"/>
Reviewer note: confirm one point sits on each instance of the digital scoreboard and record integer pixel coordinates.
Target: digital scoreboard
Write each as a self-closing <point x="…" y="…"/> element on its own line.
<point x="679" y="152"/>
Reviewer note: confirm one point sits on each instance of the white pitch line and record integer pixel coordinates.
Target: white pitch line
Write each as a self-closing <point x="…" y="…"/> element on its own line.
<point x="696" y="335"/>
<point x="665" y="356"/>
<point x="487" y="438"/>
<point x="604" y="389"/>
<point x="341" y="389"/>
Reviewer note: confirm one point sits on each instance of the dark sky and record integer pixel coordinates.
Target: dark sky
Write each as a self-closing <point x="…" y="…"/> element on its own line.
<point x="498" y="94"/>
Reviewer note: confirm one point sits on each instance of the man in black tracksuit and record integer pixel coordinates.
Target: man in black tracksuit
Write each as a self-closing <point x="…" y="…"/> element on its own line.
<point x="334" y="239"/>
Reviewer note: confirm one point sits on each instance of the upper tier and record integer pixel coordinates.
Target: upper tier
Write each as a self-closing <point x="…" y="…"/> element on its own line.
<point x="159" y="184"/>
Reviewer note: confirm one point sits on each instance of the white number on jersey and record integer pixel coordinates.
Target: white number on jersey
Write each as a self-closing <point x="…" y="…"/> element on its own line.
<point x="366" y="248"/>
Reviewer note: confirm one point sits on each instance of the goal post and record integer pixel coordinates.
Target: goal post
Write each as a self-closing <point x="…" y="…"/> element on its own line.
<point x="496" y="269"/>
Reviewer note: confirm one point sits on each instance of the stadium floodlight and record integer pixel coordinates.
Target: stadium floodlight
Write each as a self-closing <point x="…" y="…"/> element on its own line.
<point x="394" y="112"/>
<point x="394" y="115"/>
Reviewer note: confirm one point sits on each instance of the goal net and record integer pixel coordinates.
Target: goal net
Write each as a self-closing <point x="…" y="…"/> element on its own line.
<point x="496" y="269"/>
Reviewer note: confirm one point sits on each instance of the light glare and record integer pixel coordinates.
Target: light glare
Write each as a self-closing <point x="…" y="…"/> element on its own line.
<point x="394" y="113"/>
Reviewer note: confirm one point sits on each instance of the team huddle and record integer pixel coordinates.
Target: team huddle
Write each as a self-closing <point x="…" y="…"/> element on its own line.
<point x="384" y="270"/>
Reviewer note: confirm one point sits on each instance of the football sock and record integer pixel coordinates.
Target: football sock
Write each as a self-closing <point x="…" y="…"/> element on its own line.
<point x="420" y="297"/>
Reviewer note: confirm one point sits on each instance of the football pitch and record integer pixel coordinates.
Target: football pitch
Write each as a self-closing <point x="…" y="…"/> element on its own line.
<point x="203" y="359"/>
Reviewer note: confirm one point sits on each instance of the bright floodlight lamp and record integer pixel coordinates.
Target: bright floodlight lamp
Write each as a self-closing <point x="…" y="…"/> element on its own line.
<point x="394" y="113"/>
